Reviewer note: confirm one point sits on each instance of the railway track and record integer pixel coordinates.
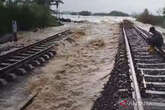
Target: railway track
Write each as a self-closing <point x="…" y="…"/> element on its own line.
<point x="137" y="81"/>
<point x="19" y="62"/>
<point x="147" y="70"/>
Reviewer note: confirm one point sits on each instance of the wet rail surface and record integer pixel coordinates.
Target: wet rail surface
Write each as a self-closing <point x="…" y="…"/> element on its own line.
<point x="137" y="81"/>
<point x="21" y="61"/>
<point x="149" y="69"/>
<point x="118" y="91"/>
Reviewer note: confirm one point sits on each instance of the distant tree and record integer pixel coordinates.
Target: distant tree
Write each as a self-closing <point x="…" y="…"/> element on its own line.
<point x="146" y="12"/>
<point x="100" y="14"/>
<point x="118" y="13"/>
<point x="144" y="17"/>
<point x="29" y="14"/>
<point x="159" y="12"/>
<point x="163" y="12"/>
<point x="85" y="13"/>
<point x="45" y="3"/>
<point x="74" y="13"/>
<point x="2" y="1"/>
<point x="147" y="17"/>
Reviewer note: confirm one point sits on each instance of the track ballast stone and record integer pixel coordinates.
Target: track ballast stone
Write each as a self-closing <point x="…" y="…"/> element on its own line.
<point x="117" y="91"/>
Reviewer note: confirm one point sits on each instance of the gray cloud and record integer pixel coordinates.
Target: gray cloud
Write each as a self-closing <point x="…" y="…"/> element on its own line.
<point x="109" y="5"/>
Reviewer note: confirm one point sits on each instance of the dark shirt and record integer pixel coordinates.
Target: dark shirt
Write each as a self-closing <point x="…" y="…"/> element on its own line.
<point x="156" y="39"/>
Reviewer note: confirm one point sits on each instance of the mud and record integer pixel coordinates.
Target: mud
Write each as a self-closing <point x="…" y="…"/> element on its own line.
<point x="74" y="79"/>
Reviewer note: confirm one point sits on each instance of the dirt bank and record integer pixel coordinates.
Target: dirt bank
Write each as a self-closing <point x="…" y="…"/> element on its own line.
<point x="75" y="77"/>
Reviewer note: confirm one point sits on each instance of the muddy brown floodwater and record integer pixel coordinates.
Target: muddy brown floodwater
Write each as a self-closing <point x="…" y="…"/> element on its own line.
<point x="75" y="77"/>
<point x="29" y="37"/>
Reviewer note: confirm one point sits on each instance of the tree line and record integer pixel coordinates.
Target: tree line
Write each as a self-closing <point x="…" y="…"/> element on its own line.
<point x="29" y="14"/>
<point x="88" y="13"/>
<point x="149" y="18"/>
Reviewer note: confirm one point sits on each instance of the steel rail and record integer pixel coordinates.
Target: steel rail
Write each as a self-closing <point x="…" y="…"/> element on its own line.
<point x="54" y="37"/>
<point x="141" y="31"/>
<point x="32" y="51"/>
<point x="24" y="60"/>
<point x="138" y="104"/>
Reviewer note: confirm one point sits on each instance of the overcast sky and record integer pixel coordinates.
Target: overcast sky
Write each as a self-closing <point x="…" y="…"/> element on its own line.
<point x="129" y="6"/>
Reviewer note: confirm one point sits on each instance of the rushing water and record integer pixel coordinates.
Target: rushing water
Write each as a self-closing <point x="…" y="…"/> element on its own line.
<point x="96" y="19"/>
<point x="76" y="76"/>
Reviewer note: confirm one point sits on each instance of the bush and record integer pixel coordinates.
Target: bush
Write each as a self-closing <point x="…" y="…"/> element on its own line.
<point x="28" y="16"/>
<point x="85" y="13"/>
<point x="118" y="13"/>
<point x="35" y="16"/>
<point x="148" y="18"/>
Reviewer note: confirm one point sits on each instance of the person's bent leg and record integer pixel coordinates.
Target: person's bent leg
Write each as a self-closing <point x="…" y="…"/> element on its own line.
<point x="151" y="49"/>
<point x="160" y="49"/>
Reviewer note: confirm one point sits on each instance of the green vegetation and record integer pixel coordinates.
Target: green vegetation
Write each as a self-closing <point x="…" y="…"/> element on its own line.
<point x="85" y="13"/>
<point x="88" y="13"/>
<point x="101" y="14"/>
<point x="112" y="13"/>
<point x="74" y="13"/>
<point x="118" y="13"/>
<point x="148" y="18"/>
<point x="28" y="14"/>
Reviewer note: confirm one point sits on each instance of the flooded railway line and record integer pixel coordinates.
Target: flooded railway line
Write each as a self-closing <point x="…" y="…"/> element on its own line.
<point x="21" y="61"/>
<point x="15" y="68"/>
<point x="137" y="81"/>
